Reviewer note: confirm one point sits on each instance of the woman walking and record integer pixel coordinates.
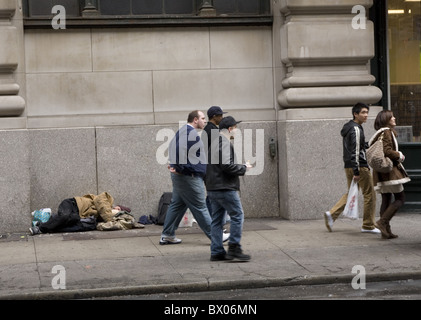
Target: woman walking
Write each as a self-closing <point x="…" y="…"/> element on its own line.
<point x="390" y="183"/>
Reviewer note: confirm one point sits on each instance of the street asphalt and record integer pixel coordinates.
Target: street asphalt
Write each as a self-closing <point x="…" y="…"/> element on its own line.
<point x="131" y="262"/>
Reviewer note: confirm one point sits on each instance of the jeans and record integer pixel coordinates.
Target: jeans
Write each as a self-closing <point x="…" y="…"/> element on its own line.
<point x="188" y="192"/>
<point x="226" y="216"/>
<point x="230" y="201"/>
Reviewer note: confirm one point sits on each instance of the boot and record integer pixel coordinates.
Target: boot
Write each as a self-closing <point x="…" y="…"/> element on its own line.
<point x="234" y="251"/>
<point x="392" y="236"/>
<point x="383" y="223"/>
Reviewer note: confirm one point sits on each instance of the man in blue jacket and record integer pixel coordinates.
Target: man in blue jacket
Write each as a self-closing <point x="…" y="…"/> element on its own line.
<point x="188" y="169"/>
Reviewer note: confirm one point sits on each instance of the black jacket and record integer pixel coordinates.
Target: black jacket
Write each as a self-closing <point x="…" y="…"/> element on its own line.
<point x="223" y="172"/>
<point x="210" y="130"/>
<point x="354" y="146"/>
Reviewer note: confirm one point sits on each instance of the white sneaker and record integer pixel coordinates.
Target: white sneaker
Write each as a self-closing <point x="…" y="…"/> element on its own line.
<point x="375" y="231"/>
<point x="169" y="240"/>
<point x="328" y="221"/>
<point x="225" y="237"/>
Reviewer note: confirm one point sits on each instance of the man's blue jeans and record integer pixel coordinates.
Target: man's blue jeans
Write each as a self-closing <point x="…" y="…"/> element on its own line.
<point x="188" y="192"/>
<point x="230" y="201"/>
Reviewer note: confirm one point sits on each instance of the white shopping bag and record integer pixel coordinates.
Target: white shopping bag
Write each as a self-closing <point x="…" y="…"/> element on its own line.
<point x="187" y="220"/>
<point x="351" y="208"/>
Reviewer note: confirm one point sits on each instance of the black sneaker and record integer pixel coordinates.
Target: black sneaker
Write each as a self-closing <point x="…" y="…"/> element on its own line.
<point x="235" y="252"/>
<point x="219" y="257"/>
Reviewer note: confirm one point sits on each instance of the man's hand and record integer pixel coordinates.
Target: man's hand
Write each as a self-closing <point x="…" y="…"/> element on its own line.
<point x="356" y="178"/>
<point x="172" y="170"/>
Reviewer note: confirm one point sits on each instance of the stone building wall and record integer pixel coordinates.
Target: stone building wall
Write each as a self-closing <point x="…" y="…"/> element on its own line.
<point x="85" y="110"/>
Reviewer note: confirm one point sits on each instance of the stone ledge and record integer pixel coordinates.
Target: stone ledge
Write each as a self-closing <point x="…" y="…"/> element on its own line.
<point x="328" y="96"/>
<point x="7" y="9"/>
<point x="311" y="7"/>
<point x="130" y="22"/>
<point x="11" y="105"/>
<point x="8" y="54"/>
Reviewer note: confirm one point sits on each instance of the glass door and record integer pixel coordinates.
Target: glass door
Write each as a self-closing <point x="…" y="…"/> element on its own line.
<point x="397" y="68"/>
<point x="404" y="41"/>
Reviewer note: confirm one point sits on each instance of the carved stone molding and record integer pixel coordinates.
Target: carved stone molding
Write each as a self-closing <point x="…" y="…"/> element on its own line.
<point x="325" y="56"/>
<point x="321" y="7"/>
<point x="8" y="52"/>
<point x="7" y="9"/>
<point x="11" y="104"/>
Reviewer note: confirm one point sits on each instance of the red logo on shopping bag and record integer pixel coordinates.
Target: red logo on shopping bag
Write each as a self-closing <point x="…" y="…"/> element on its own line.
<point x="352" y="203"/>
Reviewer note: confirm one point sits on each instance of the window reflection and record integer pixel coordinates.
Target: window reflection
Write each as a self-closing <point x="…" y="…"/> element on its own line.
<point x="404" y="35"/>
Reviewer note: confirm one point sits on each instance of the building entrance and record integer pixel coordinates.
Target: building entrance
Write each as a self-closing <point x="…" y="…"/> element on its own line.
<point x="398" y="70"/>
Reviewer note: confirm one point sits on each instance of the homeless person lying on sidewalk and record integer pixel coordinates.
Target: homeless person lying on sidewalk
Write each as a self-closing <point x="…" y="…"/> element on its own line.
<point x="82" y="213"/>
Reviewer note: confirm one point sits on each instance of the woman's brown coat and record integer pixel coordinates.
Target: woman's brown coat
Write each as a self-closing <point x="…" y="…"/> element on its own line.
<point x="398" y="174"/>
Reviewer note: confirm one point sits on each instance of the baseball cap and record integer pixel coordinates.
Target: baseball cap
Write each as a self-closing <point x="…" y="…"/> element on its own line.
<point x="214" y="110"/>
<point x="228" y="122"/>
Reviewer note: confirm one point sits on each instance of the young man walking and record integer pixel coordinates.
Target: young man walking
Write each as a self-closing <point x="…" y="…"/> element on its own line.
<point x="356" y="168"/>
<point x="223" y="185"/>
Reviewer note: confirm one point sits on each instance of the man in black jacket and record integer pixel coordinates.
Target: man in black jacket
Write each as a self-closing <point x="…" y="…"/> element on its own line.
<point x="210" y="132"/>
<point x="223" y="184"/>
<point x="356" y="168"/>
<point x="215" y="115"/>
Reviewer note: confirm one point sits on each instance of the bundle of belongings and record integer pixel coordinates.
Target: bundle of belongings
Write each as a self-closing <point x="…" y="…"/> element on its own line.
<point x="85" y="213"/>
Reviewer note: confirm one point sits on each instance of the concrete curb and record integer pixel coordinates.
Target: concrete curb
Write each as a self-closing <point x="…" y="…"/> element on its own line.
<point x="206" y="286"/>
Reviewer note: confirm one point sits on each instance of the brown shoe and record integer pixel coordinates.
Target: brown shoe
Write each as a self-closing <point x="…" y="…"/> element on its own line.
<point x="389" y="230"/>
<point x="381" y="225"/>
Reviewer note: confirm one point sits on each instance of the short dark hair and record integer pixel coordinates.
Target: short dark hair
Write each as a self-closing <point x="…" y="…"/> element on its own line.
<point x="192" y="115"/>
<point x="358" y="107"/>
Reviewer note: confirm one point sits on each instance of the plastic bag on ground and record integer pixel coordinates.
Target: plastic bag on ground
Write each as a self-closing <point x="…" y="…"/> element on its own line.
<point x="42" y="215"/>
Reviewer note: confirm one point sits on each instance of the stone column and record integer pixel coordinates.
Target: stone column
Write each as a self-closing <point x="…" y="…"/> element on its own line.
<point x="207" y="9"/>
<point x="322" y="71"/>
<point x="326" y="55"/>
<point x="90" y="8"/>
<point x="14" y="143"/>
<point x="12" y="74"/>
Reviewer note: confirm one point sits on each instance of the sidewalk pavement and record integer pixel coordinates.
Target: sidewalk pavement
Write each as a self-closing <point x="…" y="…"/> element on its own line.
<point x="111" y="263"/>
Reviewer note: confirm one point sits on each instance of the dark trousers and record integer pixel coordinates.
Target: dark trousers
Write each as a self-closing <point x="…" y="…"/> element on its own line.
<point x="67" y="216"/>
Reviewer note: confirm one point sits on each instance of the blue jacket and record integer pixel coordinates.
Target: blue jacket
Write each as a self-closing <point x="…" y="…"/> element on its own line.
<point x="187" y="152"/>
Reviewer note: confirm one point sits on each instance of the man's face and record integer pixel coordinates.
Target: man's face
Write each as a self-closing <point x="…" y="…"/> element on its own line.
<point x="232" y="131"/>
<point x="361" y="117"/>
<point x="218" y="118"/>
<point x="201" y="121"/>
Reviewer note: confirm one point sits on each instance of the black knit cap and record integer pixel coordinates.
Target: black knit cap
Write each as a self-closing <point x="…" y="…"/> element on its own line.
<point x="228" y="122"/>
